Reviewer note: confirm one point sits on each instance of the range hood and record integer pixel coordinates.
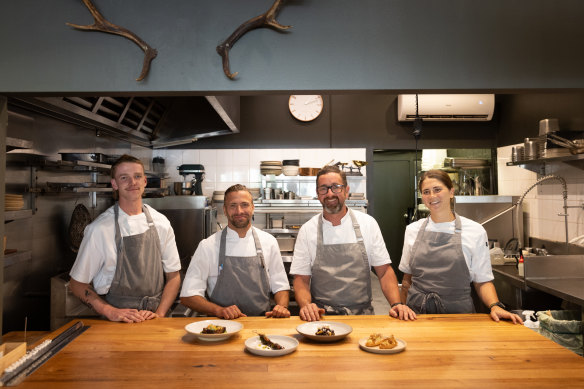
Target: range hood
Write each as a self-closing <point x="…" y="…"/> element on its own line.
<point x="155" y="122"/>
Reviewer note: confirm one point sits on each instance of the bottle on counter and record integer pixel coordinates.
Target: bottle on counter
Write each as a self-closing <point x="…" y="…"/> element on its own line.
<point x="520" y="268"/>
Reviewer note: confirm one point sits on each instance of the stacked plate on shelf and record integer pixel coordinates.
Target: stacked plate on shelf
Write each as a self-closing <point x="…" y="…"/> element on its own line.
<point x="218" y="196"/>
<point x="13" y="202"/>
<point x="271" y="167"/>
<point x="290" y="167"/>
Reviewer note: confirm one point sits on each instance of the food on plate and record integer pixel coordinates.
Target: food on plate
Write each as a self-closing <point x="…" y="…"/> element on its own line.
<point x="268" y="344"/>
<point x="213" y="329"/>
<point x="381" y="341"/>
<point x="325" y="331"/>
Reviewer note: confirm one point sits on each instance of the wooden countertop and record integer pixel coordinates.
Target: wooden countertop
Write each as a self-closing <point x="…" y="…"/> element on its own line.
<point x="453" y="351"/>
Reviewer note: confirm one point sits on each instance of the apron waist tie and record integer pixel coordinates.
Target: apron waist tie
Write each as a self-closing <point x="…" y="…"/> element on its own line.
<point x="340" y="310"/>
<point x="148" y="303"/>
<point x="437" y="301"/>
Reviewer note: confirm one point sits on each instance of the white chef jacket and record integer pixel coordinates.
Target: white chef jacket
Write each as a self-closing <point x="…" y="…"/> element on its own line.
<point x="475" y="246"/>
<point x="204" y="267"/>
<point x="305" y="248"/>
<point x="97" y="257"/>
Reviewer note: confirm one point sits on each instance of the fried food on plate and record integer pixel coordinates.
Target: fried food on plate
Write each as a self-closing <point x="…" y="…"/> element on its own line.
<point x="381" y="341"/>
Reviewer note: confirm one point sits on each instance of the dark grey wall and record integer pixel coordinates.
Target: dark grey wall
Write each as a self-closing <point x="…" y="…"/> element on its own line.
<point x="520" y="114"/>
<point x="335" y="45"/>
<point x="356" y="120"/>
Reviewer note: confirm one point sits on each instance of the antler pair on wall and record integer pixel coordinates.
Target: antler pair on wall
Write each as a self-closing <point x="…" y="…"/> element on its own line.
<point x="267" y="19"/>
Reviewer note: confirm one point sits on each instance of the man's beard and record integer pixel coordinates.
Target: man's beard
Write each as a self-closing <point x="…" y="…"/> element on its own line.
<point x="333" y="209"/>
<point x="241" y="223"/>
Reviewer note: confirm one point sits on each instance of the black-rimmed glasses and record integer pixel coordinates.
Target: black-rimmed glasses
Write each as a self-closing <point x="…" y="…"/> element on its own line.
<point x="335" y="188"/>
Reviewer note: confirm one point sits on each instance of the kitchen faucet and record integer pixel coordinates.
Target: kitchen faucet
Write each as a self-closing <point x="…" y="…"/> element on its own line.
<point x="517" y="205"/>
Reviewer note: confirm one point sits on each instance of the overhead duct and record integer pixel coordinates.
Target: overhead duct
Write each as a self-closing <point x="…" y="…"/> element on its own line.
<point x="147" y="121"/>
<point x="446" y="107"/>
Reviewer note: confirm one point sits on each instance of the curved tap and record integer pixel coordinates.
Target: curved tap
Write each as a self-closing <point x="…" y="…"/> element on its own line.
<point x="520" y="201"/>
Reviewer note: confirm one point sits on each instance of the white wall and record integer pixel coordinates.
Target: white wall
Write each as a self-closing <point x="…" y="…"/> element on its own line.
<point x="544" y="202"/>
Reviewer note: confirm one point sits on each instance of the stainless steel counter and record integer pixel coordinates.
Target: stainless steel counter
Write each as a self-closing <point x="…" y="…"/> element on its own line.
<point x="558" y="275"/>
<point x="571" y="289"/>
<point x="561" y="276"/>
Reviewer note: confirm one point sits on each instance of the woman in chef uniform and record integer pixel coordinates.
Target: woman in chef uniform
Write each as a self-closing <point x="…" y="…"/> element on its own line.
<point x="443" y="254"/>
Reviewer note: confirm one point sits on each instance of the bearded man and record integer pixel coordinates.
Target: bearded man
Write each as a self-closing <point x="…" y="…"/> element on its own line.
<point x="234" y="272"/>
<point x="333" y="256"/>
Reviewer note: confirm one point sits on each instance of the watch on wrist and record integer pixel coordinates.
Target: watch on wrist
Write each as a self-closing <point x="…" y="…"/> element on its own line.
<point x="498" y="303"/>
<point x="396" y="304"/>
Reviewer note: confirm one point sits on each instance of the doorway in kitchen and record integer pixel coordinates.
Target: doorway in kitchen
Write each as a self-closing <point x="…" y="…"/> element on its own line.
<point x="393" y="197"/>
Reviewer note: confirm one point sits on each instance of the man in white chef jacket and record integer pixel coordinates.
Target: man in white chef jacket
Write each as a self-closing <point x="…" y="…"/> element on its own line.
<point x="234" y="271"/>
<point x="128" y="265"/>
<point x="333" y="256"/>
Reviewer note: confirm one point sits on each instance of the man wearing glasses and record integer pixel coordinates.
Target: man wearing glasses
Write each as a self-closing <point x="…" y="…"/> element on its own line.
<point x="334" y="253"/>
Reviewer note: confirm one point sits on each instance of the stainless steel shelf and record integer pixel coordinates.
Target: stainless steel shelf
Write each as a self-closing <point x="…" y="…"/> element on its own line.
<point x="16" y="215"/>
<point x="17" y="257"/>
<point x="15" y="143"/>
<point x="539" y="165"/>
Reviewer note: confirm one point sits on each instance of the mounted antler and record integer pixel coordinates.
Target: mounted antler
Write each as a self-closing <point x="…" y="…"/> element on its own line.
<point x="104" y="26"/>
<point x="267" y="19"/>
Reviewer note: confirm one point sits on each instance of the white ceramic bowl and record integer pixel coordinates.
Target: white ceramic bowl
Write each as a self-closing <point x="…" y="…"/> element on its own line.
<point x="231" y="328"/>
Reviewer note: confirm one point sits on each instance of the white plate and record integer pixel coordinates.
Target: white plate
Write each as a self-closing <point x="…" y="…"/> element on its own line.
<point x="231" y="328"/>
<point x="309" y="330"/>
<point x="253" y="345"/>
<point x="401" y="346"/>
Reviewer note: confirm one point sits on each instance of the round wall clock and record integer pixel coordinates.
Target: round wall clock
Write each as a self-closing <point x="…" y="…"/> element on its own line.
<point x="305" y="107"/>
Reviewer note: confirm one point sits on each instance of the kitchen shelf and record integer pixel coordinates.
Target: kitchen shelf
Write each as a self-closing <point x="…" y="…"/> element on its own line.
<point x="540" y="165"/>
<point x="17" y="257"/>
<point x="16" y="215"/>
<point x="300" y="185"/>
<point x="15" y="143"/>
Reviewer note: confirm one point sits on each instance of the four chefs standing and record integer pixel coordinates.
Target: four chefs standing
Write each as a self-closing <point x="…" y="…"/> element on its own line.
<point x="128" y="266"/>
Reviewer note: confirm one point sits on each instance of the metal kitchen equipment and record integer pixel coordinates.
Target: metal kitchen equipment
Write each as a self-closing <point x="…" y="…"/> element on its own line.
<point x="198" y="171"/>
<point x="547" y="126"/>
<point x="190" y="223"/>
<point x="182" y="188"/>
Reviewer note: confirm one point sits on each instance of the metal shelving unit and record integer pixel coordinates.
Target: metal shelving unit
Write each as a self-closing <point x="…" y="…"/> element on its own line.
<point x="540" y="165"/>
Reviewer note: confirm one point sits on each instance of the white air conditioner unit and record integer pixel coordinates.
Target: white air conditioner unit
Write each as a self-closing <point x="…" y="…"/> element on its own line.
<point x="467" y="107"/>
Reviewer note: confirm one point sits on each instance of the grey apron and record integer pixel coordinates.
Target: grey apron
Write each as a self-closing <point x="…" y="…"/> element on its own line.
<point x="341" y="279"/>
<point x="139" y="277"/>
<point x="242" y="281"/>
<point x="440" y="276"/>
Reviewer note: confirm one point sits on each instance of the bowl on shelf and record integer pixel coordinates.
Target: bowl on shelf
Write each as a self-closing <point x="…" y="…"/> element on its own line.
<point x="290" y="170"/>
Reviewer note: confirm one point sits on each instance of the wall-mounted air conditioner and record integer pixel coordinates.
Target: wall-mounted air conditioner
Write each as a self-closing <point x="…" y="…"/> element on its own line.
<point x="456" y="107"/>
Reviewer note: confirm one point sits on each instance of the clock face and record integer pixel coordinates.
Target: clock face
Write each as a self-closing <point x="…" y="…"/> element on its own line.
<point x="305" y="107"/>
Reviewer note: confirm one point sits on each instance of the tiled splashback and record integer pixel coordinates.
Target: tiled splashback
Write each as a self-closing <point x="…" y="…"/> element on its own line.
<point x="543" y="203"/>
<point x="225" y="167"/>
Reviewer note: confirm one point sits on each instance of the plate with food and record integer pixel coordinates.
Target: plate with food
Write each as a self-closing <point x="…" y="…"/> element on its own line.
<point x="324" y="331"/>
<point x="271" y="345"/>
<point x="381" y="344"/>
<point x="213" y="330"/>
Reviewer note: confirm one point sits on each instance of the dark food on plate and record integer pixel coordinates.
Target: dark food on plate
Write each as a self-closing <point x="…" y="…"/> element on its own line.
<point x="213" y="329"/>
<point x="267" y="342"/>
<point x="381" y="341"/>
<point x="325" y="331"/>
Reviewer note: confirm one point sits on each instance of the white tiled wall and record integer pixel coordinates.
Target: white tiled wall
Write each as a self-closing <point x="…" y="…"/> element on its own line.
<point x="226" y="167"/>
<point x="544" y="202"/>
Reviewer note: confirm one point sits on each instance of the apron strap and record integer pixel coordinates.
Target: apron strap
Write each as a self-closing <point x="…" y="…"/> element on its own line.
<point x="152" y="227"/>
<point x="259" y="250"/>
<point x="222" y="246"/>
<point x="419" y="237"/>
<point x="118" y="236"/>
